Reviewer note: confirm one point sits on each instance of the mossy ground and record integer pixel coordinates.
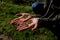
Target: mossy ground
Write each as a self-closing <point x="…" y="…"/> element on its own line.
<point x="7" y="13"/>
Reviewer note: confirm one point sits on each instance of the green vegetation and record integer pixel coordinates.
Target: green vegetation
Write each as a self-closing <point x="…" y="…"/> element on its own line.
<point x="7" y="13"/>
<point x="25" y="2"/>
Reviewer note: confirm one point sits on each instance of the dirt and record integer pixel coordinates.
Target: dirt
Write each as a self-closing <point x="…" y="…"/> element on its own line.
<point x="4" y="37"/>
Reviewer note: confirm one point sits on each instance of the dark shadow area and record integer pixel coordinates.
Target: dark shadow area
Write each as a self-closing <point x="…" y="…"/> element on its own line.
<point x="53" y="26"/>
